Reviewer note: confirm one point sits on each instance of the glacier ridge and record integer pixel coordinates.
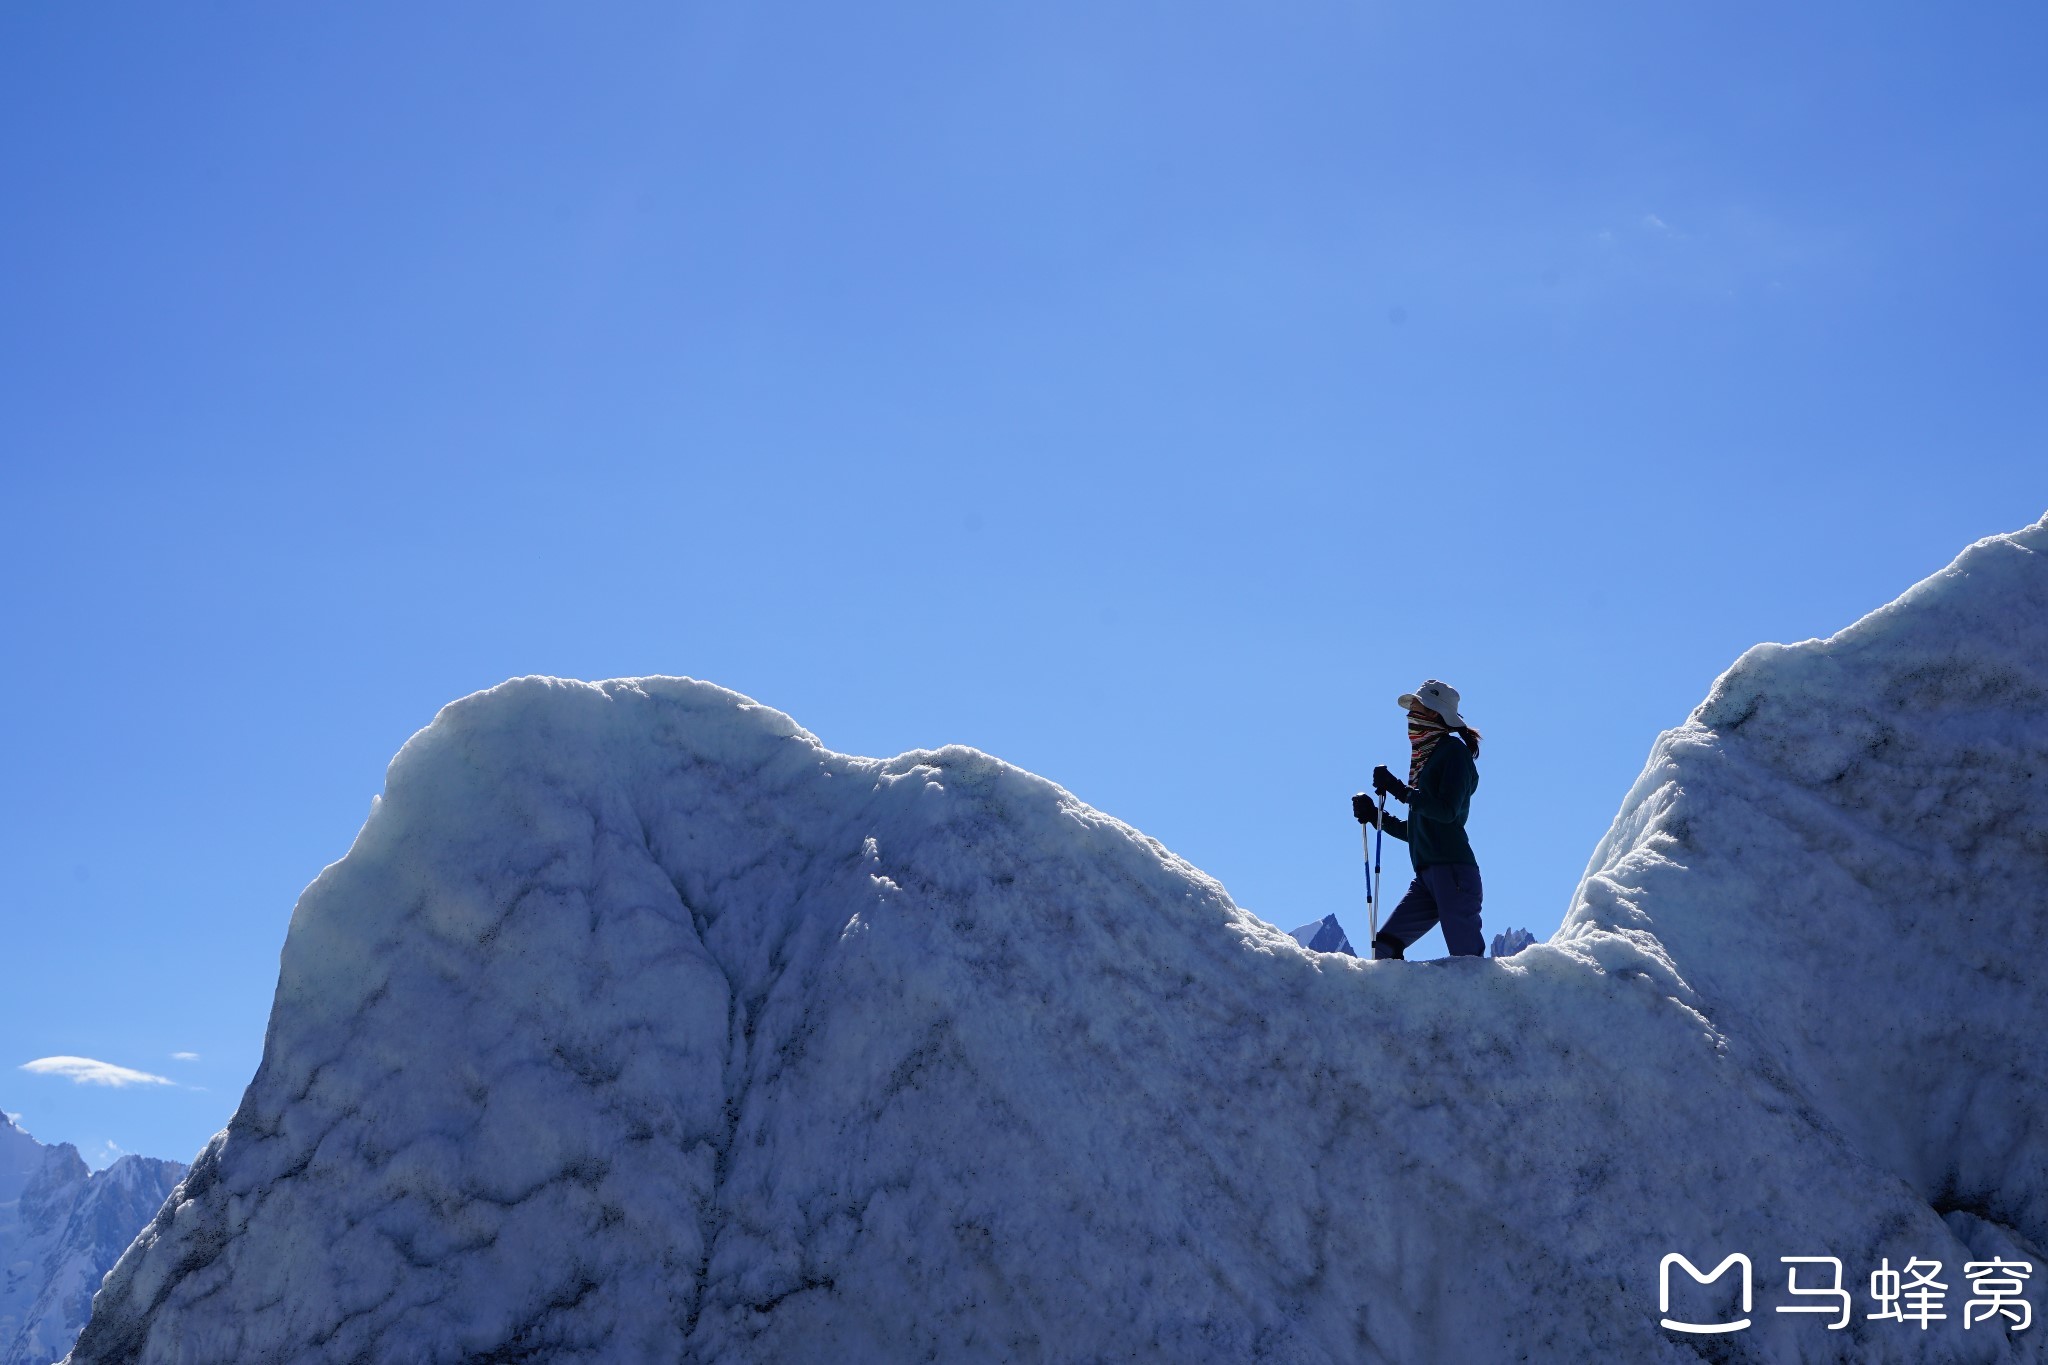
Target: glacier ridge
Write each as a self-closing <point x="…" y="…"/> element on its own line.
<point x="639" y="1026"/>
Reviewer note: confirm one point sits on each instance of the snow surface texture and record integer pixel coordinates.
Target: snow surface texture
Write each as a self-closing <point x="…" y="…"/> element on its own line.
<point x="62" y="1226"/>
<point x="1324" y="936"/>
<point x="637" y="1026"/>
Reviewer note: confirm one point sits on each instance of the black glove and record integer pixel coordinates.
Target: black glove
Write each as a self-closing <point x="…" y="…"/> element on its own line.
<point x="1362" y="809"/>
<point x="1385" y="781"/>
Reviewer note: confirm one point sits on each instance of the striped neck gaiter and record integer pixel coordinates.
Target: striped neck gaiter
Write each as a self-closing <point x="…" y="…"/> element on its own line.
<point x="1422" y="737"/>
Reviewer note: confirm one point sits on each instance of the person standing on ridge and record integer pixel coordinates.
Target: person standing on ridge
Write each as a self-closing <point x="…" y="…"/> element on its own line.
<point x="1442" y="775"/>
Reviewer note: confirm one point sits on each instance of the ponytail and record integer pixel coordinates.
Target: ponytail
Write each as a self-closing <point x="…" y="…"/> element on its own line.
<point x="1471" y="738"/>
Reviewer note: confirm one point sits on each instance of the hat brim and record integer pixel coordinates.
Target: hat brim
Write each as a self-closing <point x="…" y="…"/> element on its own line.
<point x="1408" y="701"/>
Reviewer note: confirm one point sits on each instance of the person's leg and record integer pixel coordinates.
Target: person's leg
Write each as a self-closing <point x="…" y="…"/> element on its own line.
<point x="1458" y="892"/>
<point x="1411" y="920"/>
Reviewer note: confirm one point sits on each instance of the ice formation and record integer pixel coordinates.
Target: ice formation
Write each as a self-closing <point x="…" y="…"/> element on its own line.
<point x="638" y="1026"/>
<point x="61" y="1228"/>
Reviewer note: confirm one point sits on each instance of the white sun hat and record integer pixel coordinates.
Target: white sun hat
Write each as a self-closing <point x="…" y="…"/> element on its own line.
<point x="1439" y="697"/>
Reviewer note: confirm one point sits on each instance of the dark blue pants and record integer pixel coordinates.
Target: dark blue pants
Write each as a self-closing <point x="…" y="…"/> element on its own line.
<point x="1450" y="893"/>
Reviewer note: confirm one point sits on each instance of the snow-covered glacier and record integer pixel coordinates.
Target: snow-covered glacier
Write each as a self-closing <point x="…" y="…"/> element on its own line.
<point x="62" y="1225"/>
<point x="639" y="1026"/>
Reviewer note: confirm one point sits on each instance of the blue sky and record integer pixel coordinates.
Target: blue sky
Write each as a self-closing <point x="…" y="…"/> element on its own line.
<point x="1144" y="393"/>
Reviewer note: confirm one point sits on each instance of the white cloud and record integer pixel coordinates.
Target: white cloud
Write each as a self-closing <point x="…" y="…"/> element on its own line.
<point x="184" y="1056"/>
<point x="86" y="1071"/>
<point x="1652" y="221"/>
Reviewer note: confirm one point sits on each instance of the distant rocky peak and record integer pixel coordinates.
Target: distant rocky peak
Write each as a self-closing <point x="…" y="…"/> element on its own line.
<point x="53" y="1186"/>
<point x="62" y="1226"/>
<point x="1324" y="936"/>
<point x="21" y="1156"/>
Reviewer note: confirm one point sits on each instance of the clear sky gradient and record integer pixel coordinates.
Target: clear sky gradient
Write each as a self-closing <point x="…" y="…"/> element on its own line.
<point x="1145" y="393"/>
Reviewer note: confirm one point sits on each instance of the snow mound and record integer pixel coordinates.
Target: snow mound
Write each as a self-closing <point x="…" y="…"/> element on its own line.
<point x="638" y="1026"/>
<point x="1324" y="936"/>
<point x="1845" y="852"/>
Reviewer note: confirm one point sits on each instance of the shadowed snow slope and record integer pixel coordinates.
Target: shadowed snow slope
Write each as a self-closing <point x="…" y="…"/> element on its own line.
<point x="637" y="1026"/>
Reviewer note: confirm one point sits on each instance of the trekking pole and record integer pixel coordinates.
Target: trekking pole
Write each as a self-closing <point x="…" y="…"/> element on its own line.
<point x="1371" y="897"/>
<point x="1379" y="840"/>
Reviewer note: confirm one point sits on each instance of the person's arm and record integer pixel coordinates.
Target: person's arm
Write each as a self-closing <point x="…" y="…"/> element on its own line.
<point x="1441" y="782"/>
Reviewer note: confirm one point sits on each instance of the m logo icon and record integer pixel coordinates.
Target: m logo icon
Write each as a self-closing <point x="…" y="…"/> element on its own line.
<point x="1664" y="1292"/>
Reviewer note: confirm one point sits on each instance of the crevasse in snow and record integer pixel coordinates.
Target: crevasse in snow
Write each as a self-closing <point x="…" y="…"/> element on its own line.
<point x="638" y="1026"/>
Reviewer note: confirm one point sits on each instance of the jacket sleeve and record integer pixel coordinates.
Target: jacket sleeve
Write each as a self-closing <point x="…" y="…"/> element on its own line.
<point x="1395" y="825"/>
<point x="1441" y="782"/>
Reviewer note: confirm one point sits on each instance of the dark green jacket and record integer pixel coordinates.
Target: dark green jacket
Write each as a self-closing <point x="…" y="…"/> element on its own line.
<point x="1437" y="807"/>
